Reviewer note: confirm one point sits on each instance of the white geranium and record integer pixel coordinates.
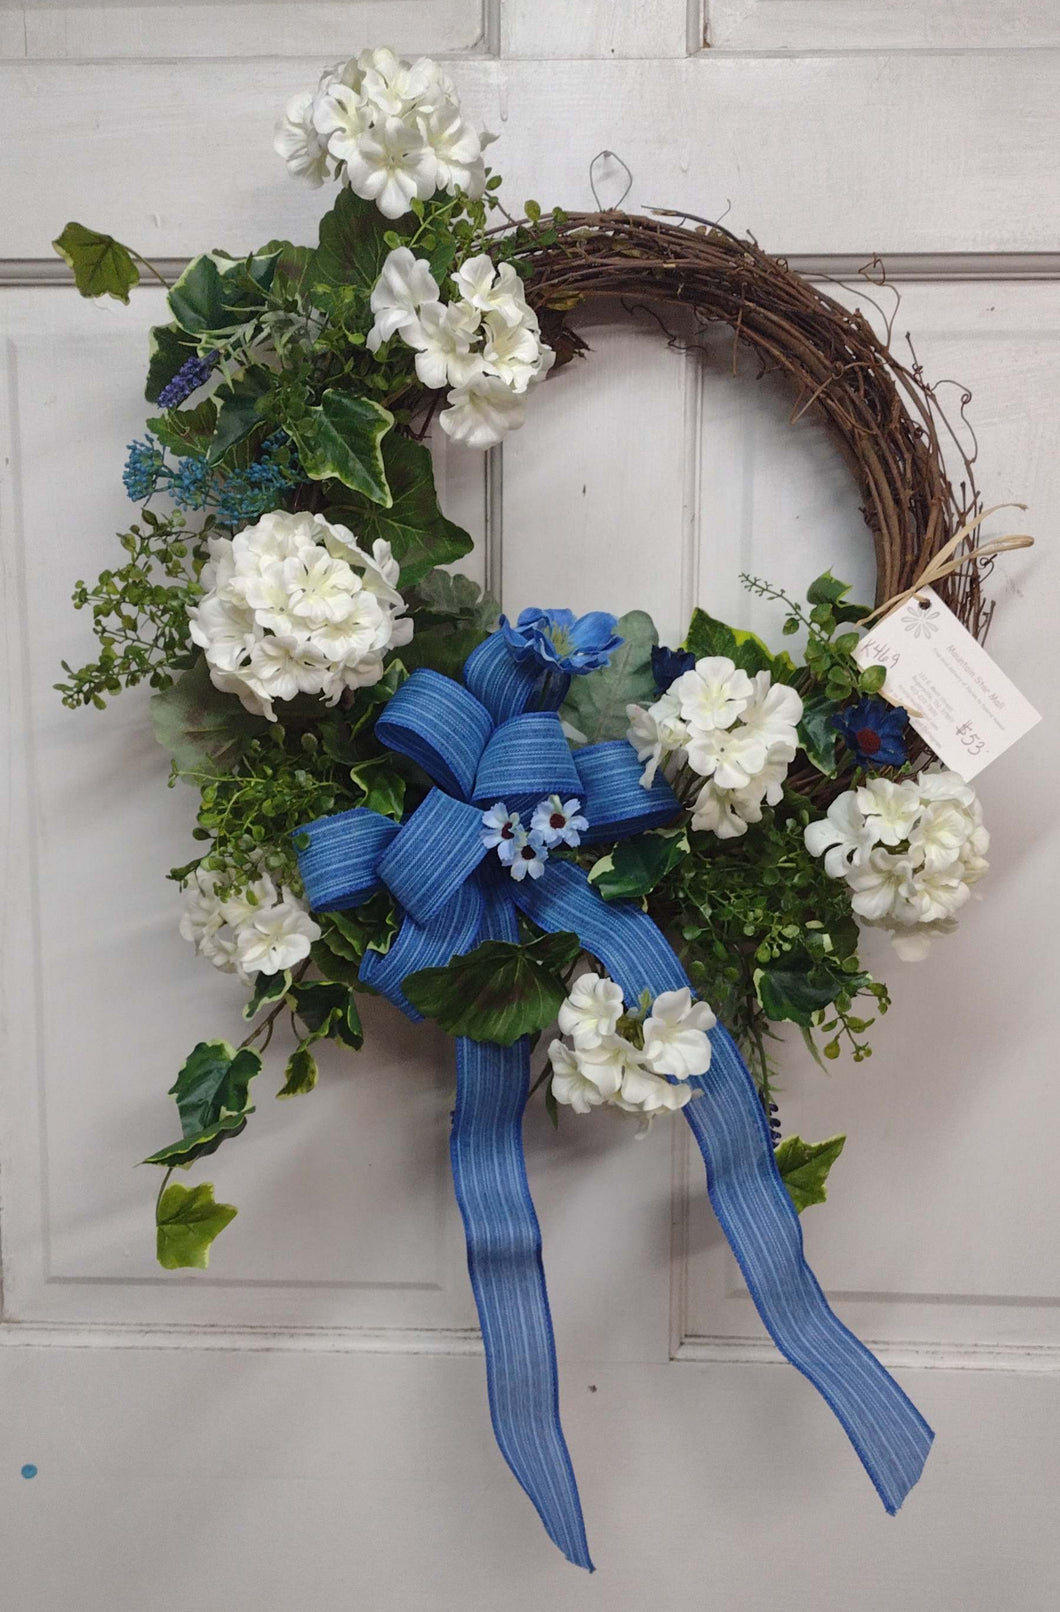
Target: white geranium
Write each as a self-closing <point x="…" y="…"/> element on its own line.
<point x="297" y="607"/>
<point x="249" y="929"/>
<point x="442" y="339"/>
<point x="675" y="1035"/>
<point x="712" y="695"/>
<point x="737" y="733"/>
<point x="485" y="345"/>
<point x="637" y="1062"/>
<point x="591" y="1010"/>
<point x="298" y="142"/>
<point x="391" y="129"/>
<point x="482" y="413"/>
<point x="276" y="938"/>
<point x="909" y="851"/>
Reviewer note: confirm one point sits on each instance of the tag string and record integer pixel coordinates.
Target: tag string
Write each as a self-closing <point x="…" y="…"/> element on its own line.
<point x="945" y="562"/>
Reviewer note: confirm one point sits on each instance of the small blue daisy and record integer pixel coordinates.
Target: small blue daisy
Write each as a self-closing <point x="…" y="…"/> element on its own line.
<point x="874" y="731"/>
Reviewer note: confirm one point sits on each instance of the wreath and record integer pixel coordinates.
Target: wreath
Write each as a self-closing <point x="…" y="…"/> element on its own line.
<point x="508" y="825"/>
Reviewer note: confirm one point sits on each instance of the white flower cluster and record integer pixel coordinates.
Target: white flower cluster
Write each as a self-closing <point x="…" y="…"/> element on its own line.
<point x="293" y="606"/>
<point x="605" y="1066"/>
<point x="256" y="930"/>
<point x="735" y="732"/>
<point x="390" y="129"/>
<point x="909" y="851"/>
<point x="485" y="344"/>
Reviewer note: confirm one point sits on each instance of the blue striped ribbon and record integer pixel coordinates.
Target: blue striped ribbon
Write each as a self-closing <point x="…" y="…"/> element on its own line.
<point x="486" y="741"/>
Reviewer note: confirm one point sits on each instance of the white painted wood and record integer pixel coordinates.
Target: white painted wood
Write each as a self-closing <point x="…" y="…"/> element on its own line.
<point x="872" y="25"/>
<point x="759" y="137"/>
<point x="46" y="30"/>
<point x="593" y="30"/>
<point x="321" y="1387"/>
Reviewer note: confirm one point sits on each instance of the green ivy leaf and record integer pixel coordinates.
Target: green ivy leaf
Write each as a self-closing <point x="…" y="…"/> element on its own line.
<point x="240" y="409"/>
<point x="301" y="1072"/>
<point x="412" y="522"/>
<point x="443" y="649"/>
<point x="188" y="1221"/>
<point x="170" y="347"/>
<point x="384" y="789"/>
<point x="797" y="987"/>
<point x="201" y="728"/>
<point x="351" y="249"/>
<point x="185" y="431"/>
<point x="328" y="1008"/>
<point x="498" y="992"/>
<point x="293" y="265"/>
<point x="708" y="636"/>
<point x="341" y="438"/>
<point x="102" y="266"/>
<point x="212" y="1097"/>
<point x="828" y="592"/>
<point x="817" y="735"/>
<point x="267" y="988"/>
<point x="596" y="704"/>
<point x="804" y="1168"/>
<point x="217" y="294"/>
<point x="637" y="865"/>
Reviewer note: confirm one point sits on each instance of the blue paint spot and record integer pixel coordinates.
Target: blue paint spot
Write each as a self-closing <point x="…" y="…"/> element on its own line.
<point x="29" y="1470"/>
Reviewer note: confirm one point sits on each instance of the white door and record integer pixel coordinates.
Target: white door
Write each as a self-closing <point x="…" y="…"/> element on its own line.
<point x="305" y="1424"/>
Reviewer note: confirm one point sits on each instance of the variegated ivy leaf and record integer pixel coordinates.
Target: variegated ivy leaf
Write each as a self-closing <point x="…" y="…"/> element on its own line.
<point x="188" y="1221"/>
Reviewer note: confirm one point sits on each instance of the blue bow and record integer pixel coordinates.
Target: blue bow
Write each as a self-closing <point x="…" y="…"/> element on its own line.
<point x="479" y="743"/>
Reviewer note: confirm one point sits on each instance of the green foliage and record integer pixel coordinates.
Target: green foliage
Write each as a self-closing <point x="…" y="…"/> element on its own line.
<point x="797" y="987"/>
<point x="188" y="1221"/>
<point x="212" y="1097"/>
<point x="498" y="992"/>
<point x="185" y="431"/>
<point x="411" y="521"/>
<point x="201" y="728"/>
<point x="707" y="636"/>
<point x="218" y="295"/>
<point x="352" y="249"/>
<point x="102" y="266"/>
<point x="169" y="348"/>
<point x="139" y="612"/>
<point x="300" y="1073"/>
<point x="242" y="406"/>
<point x="804" y="1168"/>
<point x="328" y="1008"/>
<point x="341" y="439"/>
<point x="268" y="989"/>
<point x="817" y="733"/>
<point x="637" y="865"/>
<point x="596" y="704"/>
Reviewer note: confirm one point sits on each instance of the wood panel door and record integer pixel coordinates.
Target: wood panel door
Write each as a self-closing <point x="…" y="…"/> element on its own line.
<point x="305" y="1424"/>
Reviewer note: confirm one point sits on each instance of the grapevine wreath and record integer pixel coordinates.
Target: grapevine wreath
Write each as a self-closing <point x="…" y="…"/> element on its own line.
<point x="503" y="824"/>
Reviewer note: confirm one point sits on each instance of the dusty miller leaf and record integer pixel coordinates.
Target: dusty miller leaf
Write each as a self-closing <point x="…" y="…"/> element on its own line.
<point x="596" y="703"/>
<point x="201" y="728"/>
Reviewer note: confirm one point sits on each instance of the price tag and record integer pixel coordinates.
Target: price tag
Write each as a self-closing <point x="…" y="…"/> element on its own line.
<point x="958" y="700"/>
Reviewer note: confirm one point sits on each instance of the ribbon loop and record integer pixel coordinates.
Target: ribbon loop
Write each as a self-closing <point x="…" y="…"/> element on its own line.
<point x="438" y="724"/>
<point x="505" y="686"/>
<point x="437" y="850"/>
<point x="527" y="758"/>
<point x="453" y="929"/>
<point x="340" y="865"/>
<point x="613" y="798"/>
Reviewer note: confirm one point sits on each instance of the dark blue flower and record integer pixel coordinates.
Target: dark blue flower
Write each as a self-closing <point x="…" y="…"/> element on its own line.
<point x="667" y="665"/>
<point x="874" y="731"/>
<point x="561" y="641"/>
<point x="193" y="373"/>
<point x="143" y="467"/>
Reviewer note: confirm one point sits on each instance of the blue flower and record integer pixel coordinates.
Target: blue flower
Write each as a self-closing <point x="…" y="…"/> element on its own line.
<point x="193" y="373"/>
<point x="874" y="731"/>
<point x="561" y="641"/>
<point x="143" y="467"/>
<point x="558" y="822"/>
<point x="189" y="483"/>
<point x="667" y="665"/>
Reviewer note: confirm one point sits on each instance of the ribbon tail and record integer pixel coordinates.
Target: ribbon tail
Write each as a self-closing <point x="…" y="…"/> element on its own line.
<point x="507" y="1276"/>
<point x="747" y="1194"/>
<point x="762" y="1228"/>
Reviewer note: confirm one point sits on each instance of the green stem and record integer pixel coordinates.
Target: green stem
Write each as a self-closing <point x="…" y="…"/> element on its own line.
<point x="162" y="1188"/>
